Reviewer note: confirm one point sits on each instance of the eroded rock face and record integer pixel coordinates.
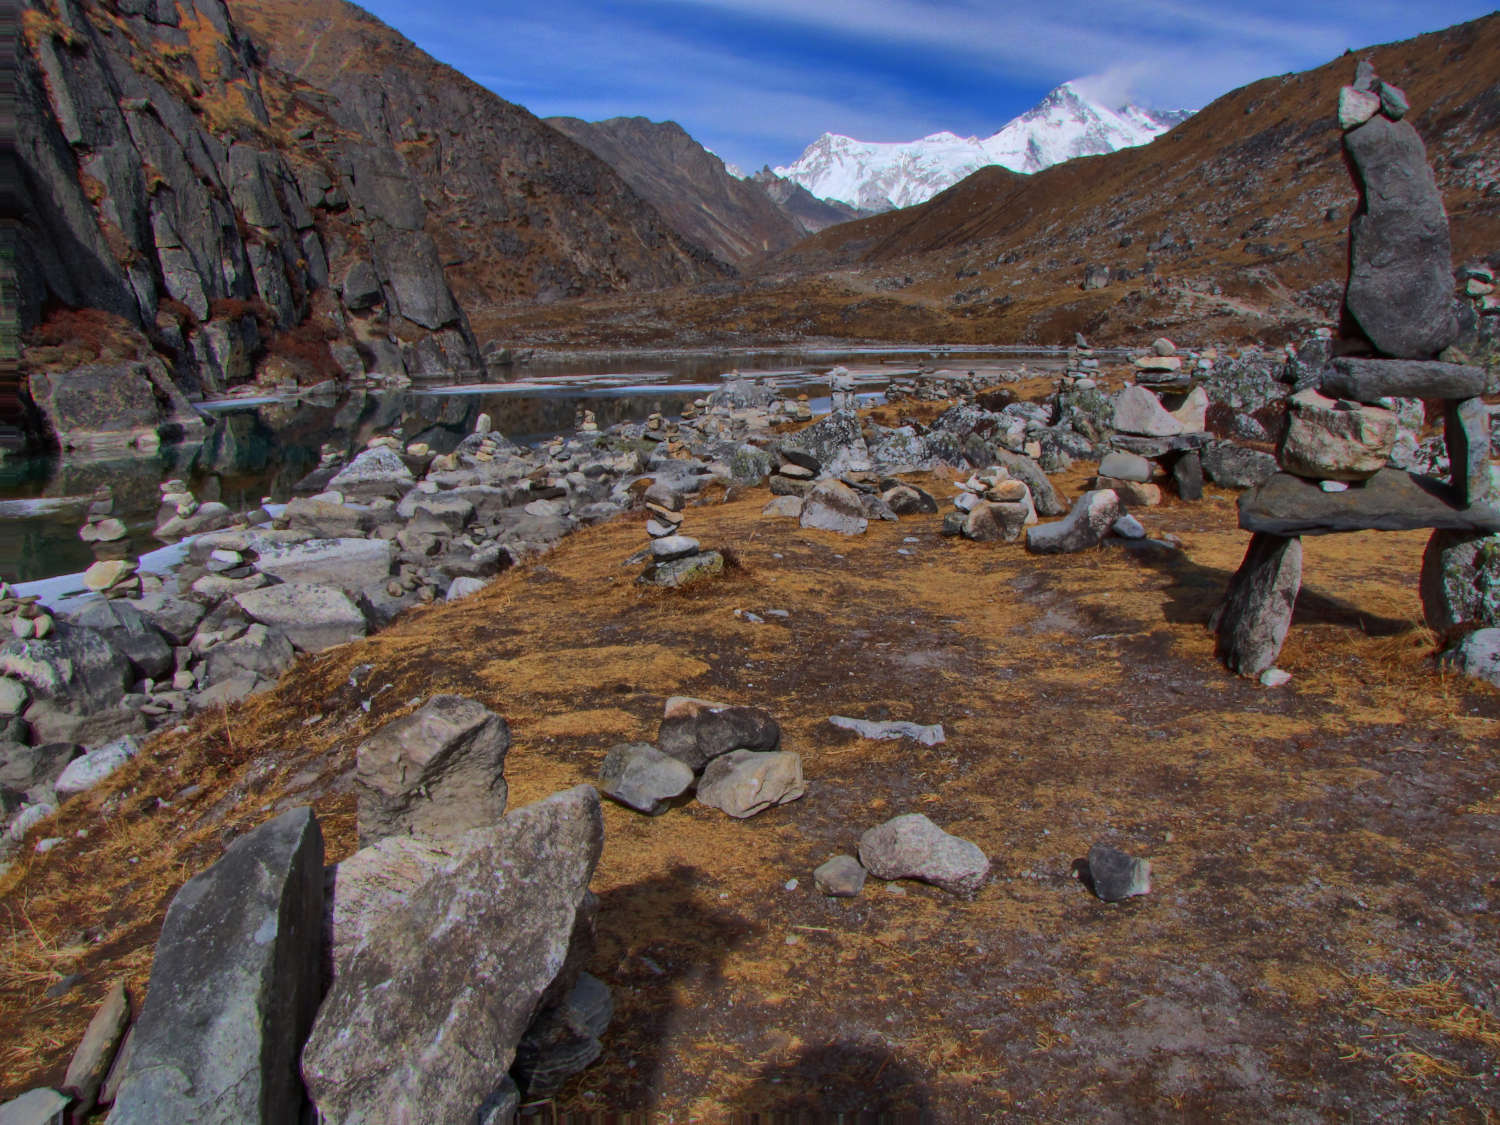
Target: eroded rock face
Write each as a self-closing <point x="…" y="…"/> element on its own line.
<point x="234" y="986"/>
<point x="1400" y="255"/>
<point x="422" y="1022"/>
<point x="439" y="771"/>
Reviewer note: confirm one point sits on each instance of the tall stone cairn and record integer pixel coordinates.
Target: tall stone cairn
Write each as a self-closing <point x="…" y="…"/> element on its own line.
<point x="1333" y="456"/>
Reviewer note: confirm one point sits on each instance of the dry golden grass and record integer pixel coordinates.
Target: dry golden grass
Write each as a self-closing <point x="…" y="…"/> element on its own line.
<point x="1081" y="703"/>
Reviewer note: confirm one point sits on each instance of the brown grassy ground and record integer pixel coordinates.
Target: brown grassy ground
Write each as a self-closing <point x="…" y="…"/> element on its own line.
<point x="1319" y="943"/>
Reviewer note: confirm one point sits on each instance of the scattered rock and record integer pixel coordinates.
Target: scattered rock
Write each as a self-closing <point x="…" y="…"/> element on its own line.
<point x="841" y="877"/>
<point x="639" y="775"/>
<point x="912" y="847"/>
<point x="1116" y="876"/>
<point x="834" y="506"/>
<point x="744" y="782"/>
<point x="1085" y="525"/>
<point x="869" y="728"/>
<point x="87" y="771"/>
<point x="1477" y="655"/>
<point x="313" y="618"/>
<point x="696" y="731"/>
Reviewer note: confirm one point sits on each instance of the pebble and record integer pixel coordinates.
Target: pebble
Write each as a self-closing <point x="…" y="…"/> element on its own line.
<point x="1275" y="677"/>
<point x="840" y="877"/>
<point x="1334" y="485"/>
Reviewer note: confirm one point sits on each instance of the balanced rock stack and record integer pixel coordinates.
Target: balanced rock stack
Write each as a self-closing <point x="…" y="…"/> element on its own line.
<point x="1156" y="438"/>
<point x="1082" y="372"/>
<point x="24" y="617"/>
<point x="101" y="525"/>
<point x="1339" y="436"/>
<point x="991" y="506"/>
<point x="676" y="559"/>
<point x="180" y="514"/>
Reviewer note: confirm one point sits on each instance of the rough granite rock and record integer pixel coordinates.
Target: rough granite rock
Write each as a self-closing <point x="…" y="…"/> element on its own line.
<point x="833" y="506"/>
<point x="234" y="986"/>
<point x="1187" y="475"/>
<point x="830" y="446"/>
<point x="1477" y="655"/>
<point x="313" y="618"/>
<point x="1460" y="581"/>
<point x="423" y="1020"/>
<point x="1400" y="256"/>
<point x="375" y="473"/>
<point x="74" y="665"/>
<point x="1252" y="623"/>
<point x="743" y="783"/>
<point x="1117" y="876"/>
<point x="350" y="564"/>
<point x="1332" y="440"/>
<point x="639" y="775"/>
<point x="696" y="731"/>
<point x="1139" y="411"/>
<point x="684" y="571"/>
<point x="260" y="652"/>
<point x="912" y="847"/>
<point x="362" y="888"/>
<point x="439" y="771"/>
<point x="1085" y="526"/>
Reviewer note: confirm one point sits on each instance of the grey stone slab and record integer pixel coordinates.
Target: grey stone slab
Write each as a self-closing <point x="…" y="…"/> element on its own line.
<point x="1391" y="500"/>
<point x="1369" y="380"/>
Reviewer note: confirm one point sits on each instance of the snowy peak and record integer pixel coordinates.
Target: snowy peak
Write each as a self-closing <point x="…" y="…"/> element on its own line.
<point x="879" y="176"/>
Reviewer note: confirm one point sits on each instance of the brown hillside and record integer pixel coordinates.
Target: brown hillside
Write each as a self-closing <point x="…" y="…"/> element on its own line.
<point x="517" y="209"/>
<point x="1231" y="226"/>
<point x="731" y="218"/>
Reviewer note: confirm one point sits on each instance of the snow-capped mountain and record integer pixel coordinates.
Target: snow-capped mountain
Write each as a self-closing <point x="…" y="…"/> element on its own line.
<point x="877" y="177"/>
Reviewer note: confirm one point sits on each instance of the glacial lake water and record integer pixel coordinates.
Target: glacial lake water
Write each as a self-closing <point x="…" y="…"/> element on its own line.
<point x="263" y="446"/>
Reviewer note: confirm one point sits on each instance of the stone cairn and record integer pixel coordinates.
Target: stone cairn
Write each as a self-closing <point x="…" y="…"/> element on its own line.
<point x="1334" y="475"/>
<point x="1160" y="424"/>
<point x="676" y="559"/>
<point x="25" y="617"/>
<point x="101" y="525"/>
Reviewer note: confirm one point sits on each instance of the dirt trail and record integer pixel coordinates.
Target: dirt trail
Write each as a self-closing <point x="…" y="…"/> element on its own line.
<point x="1320" y="939"/>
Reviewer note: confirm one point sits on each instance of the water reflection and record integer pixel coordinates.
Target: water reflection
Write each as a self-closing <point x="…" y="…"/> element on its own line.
<point x="262" y="447"/>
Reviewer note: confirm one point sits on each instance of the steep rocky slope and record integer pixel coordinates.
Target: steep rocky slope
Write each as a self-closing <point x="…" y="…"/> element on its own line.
<point x="517" y="211"/>
<point x="186" y="214"/>
<point x="733" y="219"/>
<point x="1232" y="226"/>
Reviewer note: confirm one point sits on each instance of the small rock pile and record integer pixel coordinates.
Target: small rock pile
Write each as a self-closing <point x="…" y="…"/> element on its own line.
<point x="731" y="754"/>
<point x="676" y="559"/>
<point x="1334" y="456"/>
<point x="1154" y="438"/>
<point x="100" y="523"/>
<point x="991" y="505"/>
<point x="180" y="514"/>
<point x="23" y="617"/>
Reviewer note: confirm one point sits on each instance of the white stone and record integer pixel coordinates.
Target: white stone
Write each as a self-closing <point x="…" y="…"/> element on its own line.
<point x="93" y="767"/>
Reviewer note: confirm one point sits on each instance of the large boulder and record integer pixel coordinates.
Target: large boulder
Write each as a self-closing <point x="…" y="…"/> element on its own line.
<point x="1400" y="257"/>
<point x="1085" y="526"/>
<point x="830" y="446"/>
<point x="260" y="653"/>
<point x="350" y="564"/>
<point x="98" y="407"/>
<point x="312" y="617"/>
<point x="423" y="1019"/>
<point x="912" y="847"/>
<point x="437" y="772"/>
<point x="131" y="632"/>
<point x="696" y="731"/>
<point x="234" y="986"/>
<point x="75" y="666"/>
<point x="375" y="474"/>
<point x="1139" y="411"/>
<point x="833" y="506"/>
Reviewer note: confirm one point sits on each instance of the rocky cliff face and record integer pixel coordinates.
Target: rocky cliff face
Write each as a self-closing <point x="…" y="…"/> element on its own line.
<point x="733" y="219"/>
<point x="239" y="220"/>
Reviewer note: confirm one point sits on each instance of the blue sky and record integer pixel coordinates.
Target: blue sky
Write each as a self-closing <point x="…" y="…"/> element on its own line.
<point x="758" y="80"/>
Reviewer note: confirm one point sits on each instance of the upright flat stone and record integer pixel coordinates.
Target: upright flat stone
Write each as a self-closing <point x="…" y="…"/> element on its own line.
<point x="1251" y="625"/>
<point x="1400" y="255"/>
<point x="1466" y="432"/>
<point x="437" y="772"/>
<point x="1370" y="380"/>
<point x="1139" y="411"/>
<point x="422" y="1022"/>
<point x="1391" y="500"/>
<point x="234" y="986"/>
